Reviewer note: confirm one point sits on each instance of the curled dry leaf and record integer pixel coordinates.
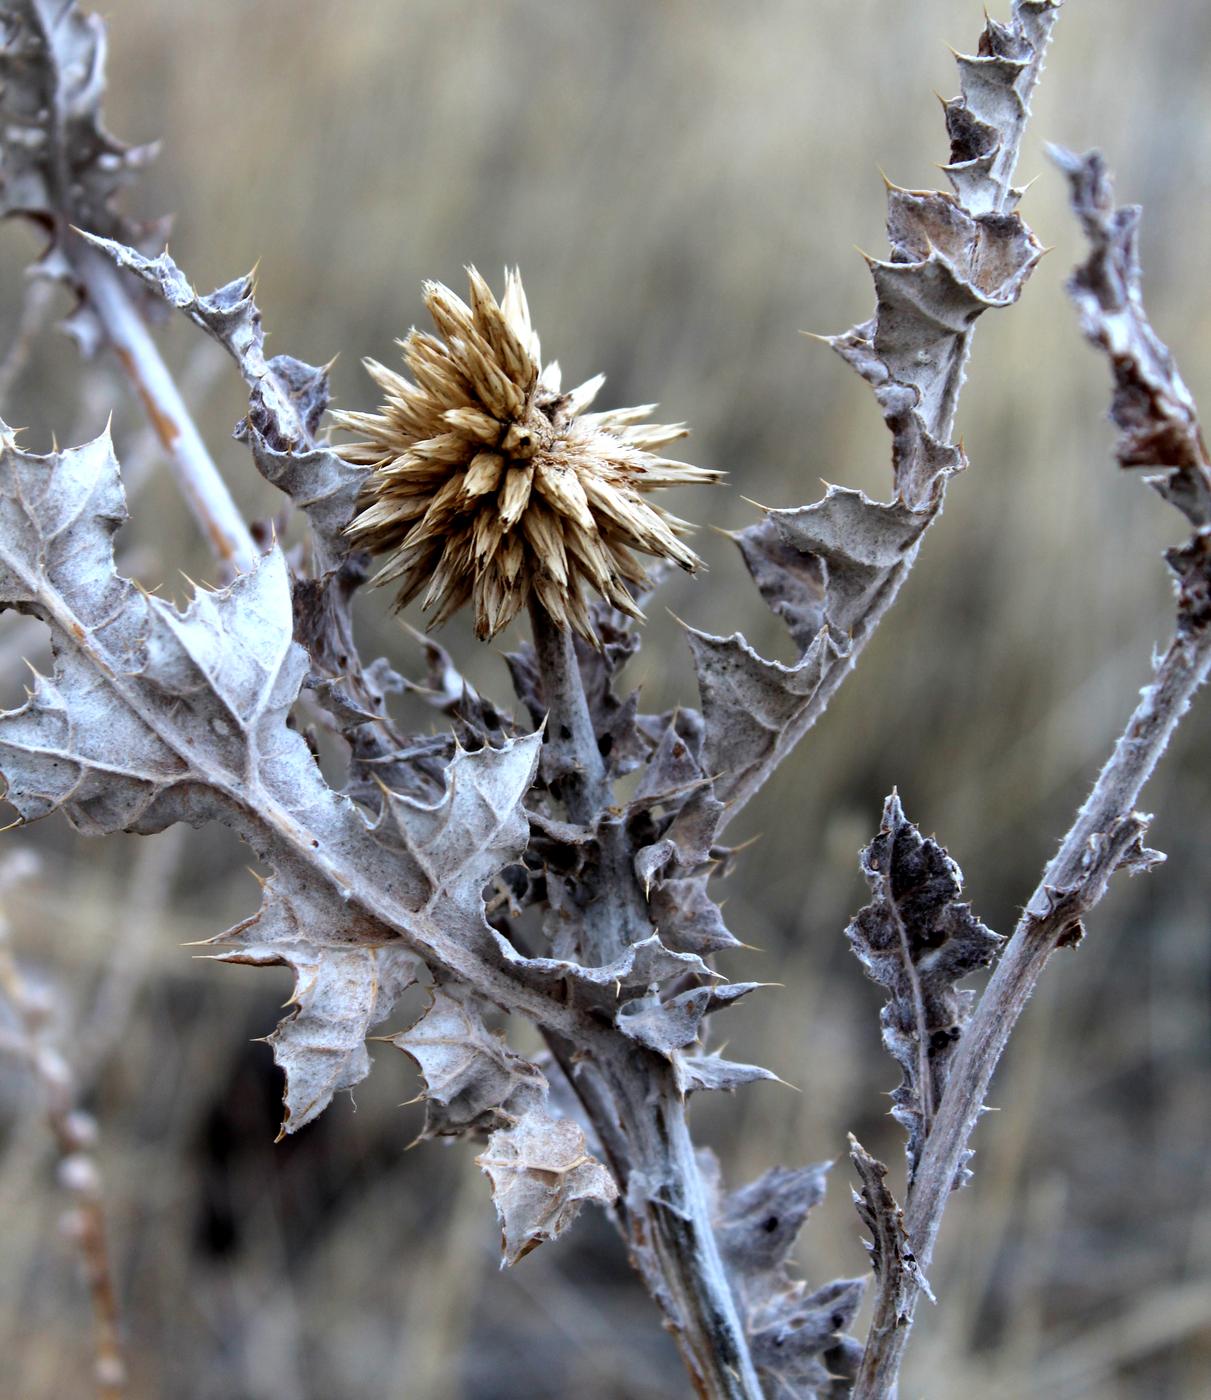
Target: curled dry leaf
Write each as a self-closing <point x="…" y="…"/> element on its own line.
<point x="1152" y="408"/>
<point x="832" y="569"/>
<point x="898" y="1277"/>
<point x="542" y="1174"/>
<point x="917" y="941"/>
<point x="473" y="1081"/>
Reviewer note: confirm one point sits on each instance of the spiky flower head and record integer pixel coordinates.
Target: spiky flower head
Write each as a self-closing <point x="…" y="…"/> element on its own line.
<point x="491" y="485"/>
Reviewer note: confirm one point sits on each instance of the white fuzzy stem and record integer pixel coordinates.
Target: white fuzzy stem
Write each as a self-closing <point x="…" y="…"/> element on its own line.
<point x="201" y="484"/>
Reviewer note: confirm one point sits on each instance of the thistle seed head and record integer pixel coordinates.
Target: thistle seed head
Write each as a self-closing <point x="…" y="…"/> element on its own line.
<point x="490" y="485"/>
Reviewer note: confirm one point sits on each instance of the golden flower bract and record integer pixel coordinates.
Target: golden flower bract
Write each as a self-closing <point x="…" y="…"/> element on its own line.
<point x="492" y="486"/>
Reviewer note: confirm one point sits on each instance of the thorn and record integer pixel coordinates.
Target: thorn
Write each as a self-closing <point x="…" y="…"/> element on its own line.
<point x="748" y="501"/>
<point x="744" y="845"/>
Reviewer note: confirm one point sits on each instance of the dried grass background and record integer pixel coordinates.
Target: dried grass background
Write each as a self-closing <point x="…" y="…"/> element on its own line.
<point x="681" y="184"/>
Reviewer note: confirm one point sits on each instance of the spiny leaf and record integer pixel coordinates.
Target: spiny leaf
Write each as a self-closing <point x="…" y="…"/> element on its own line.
<point x="154" y="716"/>
<point x="473" y="1080"/>
<point x="1152" y="408"/>
<point x="986" y="121"/>
<point x="796" y="1337"/>
<point x="287" y="402"/>
<point x="712" y="1071"/>
<point x="339" y="995"/>
<point x="669" y="1026"/>
<point x="832" y="569"/>
<point x="750" y="703"/>
<point x="916" y="940"/>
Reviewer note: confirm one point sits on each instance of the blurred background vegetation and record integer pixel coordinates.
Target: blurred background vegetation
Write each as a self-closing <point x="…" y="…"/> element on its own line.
<point x="682" y="183"/>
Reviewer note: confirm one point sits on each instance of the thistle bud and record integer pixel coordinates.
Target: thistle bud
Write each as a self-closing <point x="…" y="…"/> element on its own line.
<point x="490" y="485"/>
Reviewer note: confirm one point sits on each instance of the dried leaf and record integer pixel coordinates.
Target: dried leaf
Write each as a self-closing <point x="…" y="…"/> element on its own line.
<point x="688" y="919"/>
<point x="339" y="996"/>
<point x="287" y="401"/>
<point x="1152" y="407"/>
<point x="473" y="1081"/>
<point x="641" y="967"/>
<point x="749" y="703"/>
<point x="711" y="1071"/>
<point x="986" y="122"/>
<point x="155" y="716"/>
<point x="796" y="1338"/>
<point x="917" y="941"/>
<point x="541" y="1173"/>
<point x="832" y="569"/>
<point x="897" y="1274"/>
<point x="669" y="1026"/>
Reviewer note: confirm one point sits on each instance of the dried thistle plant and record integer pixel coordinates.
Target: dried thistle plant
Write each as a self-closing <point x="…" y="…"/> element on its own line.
<point x="483" y="481"/>
<point x="494" y="486"/>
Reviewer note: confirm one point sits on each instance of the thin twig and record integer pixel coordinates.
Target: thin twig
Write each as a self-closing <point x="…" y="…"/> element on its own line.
<point x="75" y="1134"/>
<point x="200" y="481"/>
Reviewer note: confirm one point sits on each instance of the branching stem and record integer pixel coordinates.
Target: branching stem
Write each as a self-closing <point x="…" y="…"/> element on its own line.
<point x="1159" y="428"/>
<point x="1073" y="882"/>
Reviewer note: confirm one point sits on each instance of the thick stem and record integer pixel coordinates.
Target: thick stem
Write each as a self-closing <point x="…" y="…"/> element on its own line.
<point x="617" y="916"/>
<point x="641" y="1118"/>
<point x="204" y="489"/>
<point x="584" y="787"/>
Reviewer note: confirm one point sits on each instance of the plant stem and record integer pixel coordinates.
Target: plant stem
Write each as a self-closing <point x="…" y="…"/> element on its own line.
<point x="584" y="786"/>
<point x="1106" y="833"/>
<point x="1072" y="884"/>
<point x="202" y="486"/>
<point x="664" y="1206"/>
<point x="74" y="1134"/>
